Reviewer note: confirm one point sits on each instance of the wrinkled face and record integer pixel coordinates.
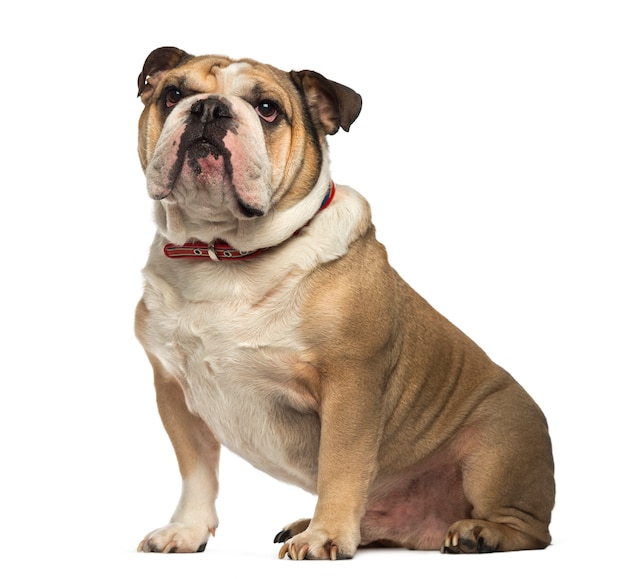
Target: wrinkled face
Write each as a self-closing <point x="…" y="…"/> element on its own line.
<point x="224" y="139"/>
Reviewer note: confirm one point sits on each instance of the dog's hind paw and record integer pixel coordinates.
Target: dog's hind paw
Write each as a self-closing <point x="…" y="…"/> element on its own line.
<point x="478" y="536"/>
<point x="468" y="538"/>
<point x="292" y="530"/>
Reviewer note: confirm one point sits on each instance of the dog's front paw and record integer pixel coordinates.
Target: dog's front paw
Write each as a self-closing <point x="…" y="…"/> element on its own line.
<point x="319" y="544"/>
<point x="176" y="538"/>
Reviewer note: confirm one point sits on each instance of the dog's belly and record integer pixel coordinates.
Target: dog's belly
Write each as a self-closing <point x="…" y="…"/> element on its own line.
<point x="242" y="371"/>
<point x="414" y="508"/>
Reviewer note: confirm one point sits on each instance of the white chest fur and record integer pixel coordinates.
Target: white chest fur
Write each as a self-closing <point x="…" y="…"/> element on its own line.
<point x="228" y="332"/>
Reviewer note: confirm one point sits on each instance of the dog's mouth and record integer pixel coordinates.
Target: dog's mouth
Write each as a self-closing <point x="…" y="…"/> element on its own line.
<point x="206" y="147"/>
<point x="207" y="152"/>
<point x="201" y="153"/>
<point x="201" y="157"/>
<point x="205" y="166"/>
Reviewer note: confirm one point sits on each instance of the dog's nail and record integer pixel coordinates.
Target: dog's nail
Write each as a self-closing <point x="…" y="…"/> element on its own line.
<point x="283" y="551"/>
<point x="293" y="553"/>
<point x="455" y="540"/>
<point x="333" y="552"/>
<point x="170" y="547"/>
<point x="140" y="546"/>
<point x="302" y="552"/>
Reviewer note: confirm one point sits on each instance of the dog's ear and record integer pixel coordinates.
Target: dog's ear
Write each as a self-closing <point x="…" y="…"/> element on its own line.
<point x="159" y="61"/>
<point x="332" y="105"/>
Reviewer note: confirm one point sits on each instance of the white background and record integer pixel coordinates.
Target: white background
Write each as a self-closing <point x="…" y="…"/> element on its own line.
<point x="492" y="148"/>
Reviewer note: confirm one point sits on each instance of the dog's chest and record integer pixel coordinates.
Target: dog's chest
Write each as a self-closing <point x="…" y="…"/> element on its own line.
<point x="233" y="342"/>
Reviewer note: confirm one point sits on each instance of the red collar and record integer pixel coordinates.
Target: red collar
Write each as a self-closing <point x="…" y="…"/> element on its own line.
<point x="219" y="250"/>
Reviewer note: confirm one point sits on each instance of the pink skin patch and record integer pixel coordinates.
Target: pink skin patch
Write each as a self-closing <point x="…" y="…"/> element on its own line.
<point x="251" y="168"/>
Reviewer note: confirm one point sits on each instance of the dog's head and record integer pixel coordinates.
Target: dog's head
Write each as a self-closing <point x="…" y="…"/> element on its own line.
<point x="225" y="141"/>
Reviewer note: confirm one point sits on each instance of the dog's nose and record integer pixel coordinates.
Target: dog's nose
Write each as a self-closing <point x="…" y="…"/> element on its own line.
<point x="211" y="109"/>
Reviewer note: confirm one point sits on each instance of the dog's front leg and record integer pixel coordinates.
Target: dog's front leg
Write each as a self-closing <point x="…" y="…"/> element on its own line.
<point x="197" y="452"/>
<point x="350" y="434"/>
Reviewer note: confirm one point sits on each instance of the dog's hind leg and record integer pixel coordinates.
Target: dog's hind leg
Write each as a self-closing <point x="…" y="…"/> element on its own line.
<point x="508" y="478"/>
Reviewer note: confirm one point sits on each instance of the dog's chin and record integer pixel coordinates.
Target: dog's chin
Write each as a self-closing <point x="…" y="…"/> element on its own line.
<point x="214" y="204"/>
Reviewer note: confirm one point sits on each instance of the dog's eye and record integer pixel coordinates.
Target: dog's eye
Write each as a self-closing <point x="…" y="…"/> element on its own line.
<point x="267" y="110"/>
<point x="171" y="96"/>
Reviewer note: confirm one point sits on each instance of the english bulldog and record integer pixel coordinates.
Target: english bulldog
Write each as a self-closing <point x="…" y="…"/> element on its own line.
<point x="276" y="327"/>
